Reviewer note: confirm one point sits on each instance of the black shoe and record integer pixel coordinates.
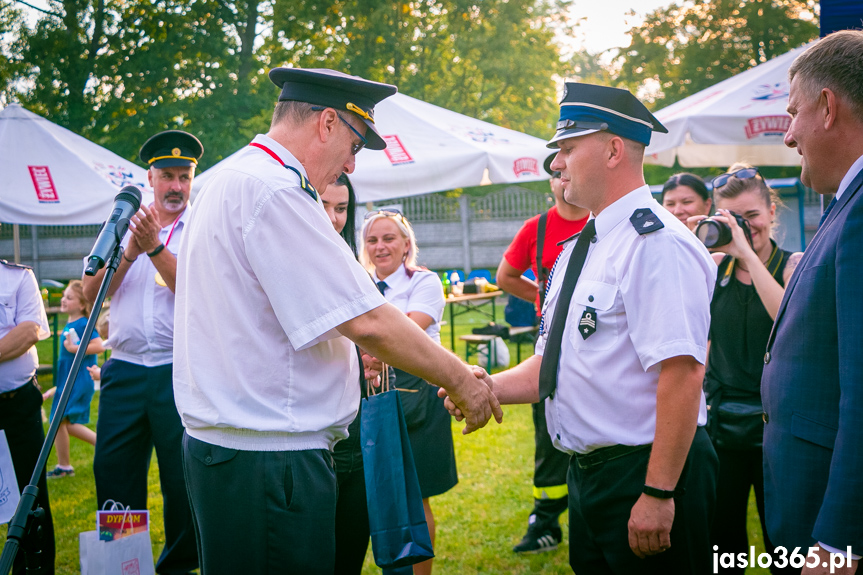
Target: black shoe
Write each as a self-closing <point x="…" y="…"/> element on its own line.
<point x="536" y="541"/>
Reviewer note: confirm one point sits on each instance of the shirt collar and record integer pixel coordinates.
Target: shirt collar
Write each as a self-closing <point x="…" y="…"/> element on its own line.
<point x="622" y="209"/>
<point x="856" y="167"/>
<point x="399" y="277"/>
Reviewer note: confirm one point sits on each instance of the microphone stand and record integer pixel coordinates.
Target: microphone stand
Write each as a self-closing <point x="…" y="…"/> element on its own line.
<point x="25" y="527"/>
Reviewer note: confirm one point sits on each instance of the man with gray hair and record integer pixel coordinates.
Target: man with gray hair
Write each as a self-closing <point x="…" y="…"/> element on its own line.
<point x="812" y="386"/>
<point x="268" y="297"/>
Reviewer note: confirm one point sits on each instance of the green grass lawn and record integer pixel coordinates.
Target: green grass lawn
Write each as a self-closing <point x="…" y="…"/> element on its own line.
<point x="478" y="521"/>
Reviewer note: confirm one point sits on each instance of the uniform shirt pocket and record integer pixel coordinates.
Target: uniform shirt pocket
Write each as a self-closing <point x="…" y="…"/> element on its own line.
<point x="595" y="305"/>
<point x="7" y="310"/>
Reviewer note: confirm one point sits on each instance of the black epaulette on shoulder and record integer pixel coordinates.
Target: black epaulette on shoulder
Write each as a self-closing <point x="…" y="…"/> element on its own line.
<point x="645" y="221"/>
<point x="305" y="185"/>
<point x="11" y="265"/>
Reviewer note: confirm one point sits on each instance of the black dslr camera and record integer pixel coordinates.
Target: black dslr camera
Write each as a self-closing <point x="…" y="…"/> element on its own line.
<point x="713" y="233"/>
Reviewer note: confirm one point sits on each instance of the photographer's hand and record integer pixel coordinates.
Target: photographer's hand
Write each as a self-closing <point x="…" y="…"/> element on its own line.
<point x="739" y="246"/>
<point x="693" y="221"/>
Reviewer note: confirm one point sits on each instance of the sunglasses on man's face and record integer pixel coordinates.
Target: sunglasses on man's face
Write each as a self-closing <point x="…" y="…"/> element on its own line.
<point x="355" y="148"/>
<point x="744" y="174"/>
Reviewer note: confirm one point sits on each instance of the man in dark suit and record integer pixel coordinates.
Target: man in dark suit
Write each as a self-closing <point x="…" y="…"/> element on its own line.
<point x="812" y="387"/>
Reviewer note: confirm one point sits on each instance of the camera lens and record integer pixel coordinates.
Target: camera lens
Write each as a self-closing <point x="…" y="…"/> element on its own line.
<point x="712" y="233"/>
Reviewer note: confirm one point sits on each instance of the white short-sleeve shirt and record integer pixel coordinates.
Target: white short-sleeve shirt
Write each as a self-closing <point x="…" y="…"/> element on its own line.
<point x="142" y="311"/>
<point x="651" y="295"/>
<point x="421" y="292"/>
<point x="20" y="301"/>
<point x="263" y="281"/>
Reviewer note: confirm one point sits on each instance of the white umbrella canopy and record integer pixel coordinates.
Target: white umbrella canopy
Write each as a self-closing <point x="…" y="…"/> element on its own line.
<point x="742" y="118"/>
<point x="52" y="176"/>
<point x="431" y="149"/>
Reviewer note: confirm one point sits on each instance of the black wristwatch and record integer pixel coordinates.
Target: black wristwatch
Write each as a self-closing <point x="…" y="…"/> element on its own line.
<point x="156" y="251"/>
<point x="658" y="493"/>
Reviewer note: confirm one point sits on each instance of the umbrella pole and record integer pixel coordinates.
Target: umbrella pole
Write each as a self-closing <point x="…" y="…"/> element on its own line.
<point x="16" y="242"/>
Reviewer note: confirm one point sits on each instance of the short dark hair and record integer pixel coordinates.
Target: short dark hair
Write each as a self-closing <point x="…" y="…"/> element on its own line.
<point x="834" y="62"/>
<point x="349" y="232"/>
<point x="298" y="112"/>
<point x="688" y="180"/>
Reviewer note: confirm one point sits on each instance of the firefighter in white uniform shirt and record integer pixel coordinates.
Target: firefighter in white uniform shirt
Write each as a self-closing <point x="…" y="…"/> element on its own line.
<point x="622" y="361"/>
<point x="264" y="381"/>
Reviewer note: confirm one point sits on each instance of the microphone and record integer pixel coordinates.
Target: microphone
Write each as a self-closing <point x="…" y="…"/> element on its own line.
<point x="126" y="205"/>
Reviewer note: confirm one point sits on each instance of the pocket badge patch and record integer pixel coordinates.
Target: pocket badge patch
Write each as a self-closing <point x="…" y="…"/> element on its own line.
<point x="587" y="325"/>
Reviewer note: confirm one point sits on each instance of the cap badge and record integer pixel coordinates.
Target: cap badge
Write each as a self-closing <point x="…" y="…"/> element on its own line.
<point x="175" y="152"/>
<point x="360" y="112"/>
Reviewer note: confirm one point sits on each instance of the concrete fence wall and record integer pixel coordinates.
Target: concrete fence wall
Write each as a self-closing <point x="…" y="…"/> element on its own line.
<point x="462" y="232"/>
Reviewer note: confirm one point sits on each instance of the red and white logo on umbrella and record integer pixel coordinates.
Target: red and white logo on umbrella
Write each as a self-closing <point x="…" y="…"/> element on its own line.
<point x="395" y="151"/>
<point x="45" y="190"/>
<point x="767" y="126"/>
<point x="525" y="167"/>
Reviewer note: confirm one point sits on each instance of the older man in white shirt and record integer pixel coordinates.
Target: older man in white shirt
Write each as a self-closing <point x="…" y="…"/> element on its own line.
<point x="265" y="381"/>
<point x="136" y="405"/>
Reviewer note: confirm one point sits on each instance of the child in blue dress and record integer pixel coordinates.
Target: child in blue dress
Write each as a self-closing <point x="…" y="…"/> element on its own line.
<point x="78" y="409"/>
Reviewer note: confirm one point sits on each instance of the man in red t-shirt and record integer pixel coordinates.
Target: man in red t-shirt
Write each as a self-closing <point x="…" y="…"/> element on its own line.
<point x="562" y="221"/>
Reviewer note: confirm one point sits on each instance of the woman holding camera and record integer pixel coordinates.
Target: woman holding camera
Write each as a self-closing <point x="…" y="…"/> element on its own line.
<point x="751" y="277"/>
<point x="685" y="195"/>
<point x="388" y="250"/>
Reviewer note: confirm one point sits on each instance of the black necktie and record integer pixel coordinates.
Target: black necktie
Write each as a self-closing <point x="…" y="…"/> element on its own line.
<point x="827" y="211"/>
<point x="382" y="286"/>
<point x="551" y="356"/>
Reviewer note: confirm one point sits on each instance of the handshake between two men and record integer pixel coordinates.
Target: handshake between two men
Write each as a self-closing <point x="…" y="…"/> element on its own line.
<point x="389" y="335"/>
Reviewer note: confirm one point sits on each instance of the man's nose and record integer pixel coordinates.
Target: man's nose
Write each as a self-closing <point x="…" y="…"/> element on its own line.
<point x="350" y="164"/>
<point x="789" y="139"/>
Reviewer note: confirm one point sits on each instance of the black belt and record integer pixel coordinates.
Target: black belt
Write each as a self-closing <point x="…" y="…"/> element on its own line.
<point x="14" y="392"/>
<point x="604" y="454"/>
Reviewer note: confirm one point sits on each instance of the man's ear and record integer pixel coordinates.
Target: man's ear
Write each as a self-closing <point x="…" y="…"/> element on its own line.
<point x="327" y="124"/>
<point x="829" y="107"/>
<point x="616" y="151"/>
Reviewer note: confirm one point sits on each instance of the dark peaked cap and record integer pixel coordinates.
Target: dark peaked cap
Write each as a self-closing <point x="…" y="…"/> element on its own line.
<point x="334" y="89"/>
<point x="589" y="108"/>
<point x="171" y="148"/>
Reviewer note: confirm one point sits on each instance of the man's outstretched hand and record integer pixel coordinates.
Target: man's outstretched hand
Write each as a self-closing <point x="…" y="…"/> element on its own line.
<point x="477" y="404"/>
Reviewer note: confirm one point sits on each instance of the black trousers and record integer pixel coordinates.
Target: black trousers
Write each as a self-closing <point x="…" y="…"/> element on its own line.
<point x="136" y="413"/>
<point x="262" y="512"/>
<point x="21" y="419"/>
<point x="352" y="512"/>
<point x="739" y="471"/>
<point x="600" y="503"/>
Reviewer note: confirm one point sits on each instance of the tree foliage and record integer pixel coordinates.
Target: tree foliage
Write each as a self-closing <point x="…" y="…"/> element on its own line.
<point x="684" y="48"/>
<point x="117" y="71"/>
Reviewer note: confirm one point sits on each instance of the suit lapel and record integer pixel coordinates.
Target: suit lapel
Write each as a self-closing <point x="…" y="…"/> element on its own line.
<point x="855" y="185"/>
